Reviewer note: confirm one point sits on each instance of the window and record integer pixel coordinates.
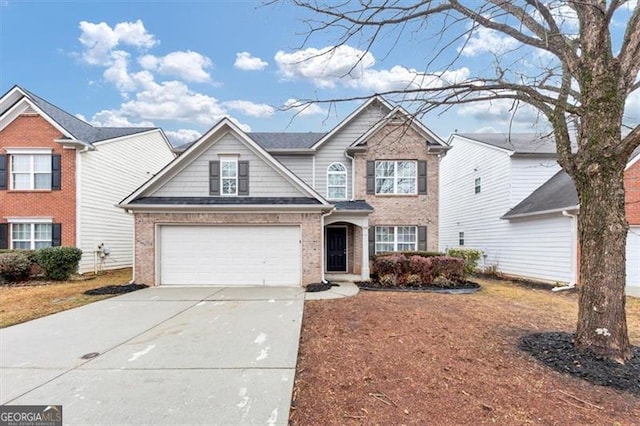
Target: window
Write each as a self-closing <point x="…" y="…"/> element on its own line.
<point x="31" y="236"/>
<point x="478" y="185"/>
<point x="337" y="181"/>
<point x="396" y="177"/>
<point x="396" y="238"/>
<point x="229" y="176"/>
<point x="460" y="238"/>
<point x="30" y="171"/>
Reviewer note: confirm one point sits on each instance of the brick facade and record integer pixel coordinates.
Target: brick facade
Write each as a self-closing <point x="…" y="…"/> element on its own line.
<point x="632" y="193"/>
<point x="32" y="131"/>
<point x="400" y="142"/>
<point x="145" y="234"/>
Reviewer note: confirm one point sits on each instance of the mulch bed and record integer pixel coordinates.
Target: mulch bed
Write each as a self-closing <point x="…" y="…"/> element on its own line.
<point x="556" y="350"/>
<point x="115" y="289"/>
<point x="316" y="287"/>
<point x="464" y="287"/>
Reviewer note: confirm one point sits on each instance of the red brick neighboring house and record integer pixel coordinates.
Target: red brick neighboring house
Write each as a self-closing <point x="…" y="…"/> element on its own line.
<point x="60" y="178"/>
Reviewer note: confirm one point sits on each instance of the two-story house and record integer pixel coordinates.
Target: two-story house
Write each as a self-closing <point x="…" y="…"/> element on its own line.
<point x="504" y="194"/>
<point x="240" y="208"/>
<point x="61" y="178"/>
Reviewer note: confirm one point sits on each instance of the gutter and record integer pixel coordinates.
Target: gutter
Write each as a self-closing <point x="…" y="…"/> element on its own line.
<point x="148" y="208"/>
<point x="508" y="216"/>
<point x="353" y="175"/>
<point x="323" y="250"/>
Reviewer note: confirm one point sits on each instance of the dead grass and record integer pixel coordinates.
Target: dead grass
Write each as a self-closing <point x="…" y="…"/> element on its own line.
<point x="36" y="299"/>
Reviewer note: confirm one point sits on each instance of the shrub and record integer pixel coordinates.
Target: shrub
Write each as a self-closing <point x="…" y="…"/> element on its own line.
<point x="388" y="280"/>
<point x="14" y="266"/>
<point x="449" y="268"/>
<point x="58" y="263"/>
<point x="423" y="267"/>
<point x="470" y="256"/>
<point x="413" y="280"/>
<point x="395" y="263"/>
<point x="31" y="254"/>
<point x="407" y="254"/>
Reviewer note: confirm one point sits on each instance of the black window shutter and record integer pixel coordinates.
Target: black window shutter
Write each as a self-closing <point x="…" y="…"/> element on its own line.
<point x="243" y="178"/>
<point x="422" y="177"/>
<point x="56" y="172"/>
<point x="214" y="177"/>
<point x="372" y="240"/>
<point x="4" y="171"/>
<point x="4" y="236"/>
<point x="422" y="238"/>
<point x="371" y="177"/>
<point x="56" y="235"/>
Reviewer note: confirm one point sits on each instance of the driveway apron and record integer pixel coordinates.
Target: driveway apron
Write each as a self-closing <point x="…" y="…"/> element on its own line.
<point x="169" y="355"/>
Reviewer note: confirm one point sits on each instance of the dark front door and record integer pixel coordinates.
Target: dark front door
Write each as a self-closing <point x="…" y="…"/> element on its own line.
<point x="337" y="249"/>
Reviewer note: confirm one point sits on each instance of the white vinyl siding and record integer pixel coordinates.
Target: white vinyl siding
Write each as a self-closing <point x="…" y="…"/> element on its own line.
<point x="633" y="261"/>
<point x="527" y="174"/>
<point x="193" y="179"/>
<point x="30" y="171"/>
<point x="106" y="176"/>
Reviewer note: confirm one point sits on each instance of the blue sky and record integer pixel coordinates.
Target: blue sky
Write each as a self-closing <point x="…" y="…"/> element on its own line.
<point x="183" y="65"/>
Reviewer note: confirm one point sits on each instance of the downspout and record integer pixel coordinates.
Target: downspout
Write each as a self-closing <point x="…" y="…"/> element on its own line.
<point x="324" y="249"/>
<point x="353" y="175"/>
<point x="574" y="252"/>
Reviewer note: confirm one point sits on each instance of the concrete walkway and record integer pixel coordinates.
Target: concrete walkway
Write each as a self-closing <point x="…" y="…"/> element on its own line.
<point x="164" y="356"/>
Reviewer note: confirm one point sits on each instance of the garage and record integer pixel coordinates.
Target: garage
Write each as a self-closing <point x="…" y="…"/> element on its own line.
<point x="242" y="255"/>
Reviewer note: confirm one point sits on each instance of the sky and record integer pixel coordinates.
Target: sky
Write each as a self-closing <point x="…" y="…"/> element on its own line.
<point x="183" y="65"/>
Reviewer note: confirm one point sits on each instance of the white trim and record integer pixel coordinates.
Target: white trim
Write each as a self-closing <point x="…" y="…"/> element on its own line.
<point x="78" y="205"/>
<point x="395" y="238"/>
<point x="24" y="219"/>
<point x="330" y="172"/>
<point x="454" y="136"/>
<point x="233" y="160"/>
<point x="119" y="138"/>
<point x="28" y="151"/>
<point x="631" y="162"/>
<point x="228" y="208"/>
<point x="395" y="177"/>
<point x="346" y="247"/>
<point x="41" y="113"/>
<point x="542" y="212"/>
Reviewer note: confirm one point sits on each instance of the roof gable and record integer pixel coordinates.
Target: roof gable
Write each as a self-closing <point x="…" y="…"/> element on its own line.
<point x="514" y="143"/>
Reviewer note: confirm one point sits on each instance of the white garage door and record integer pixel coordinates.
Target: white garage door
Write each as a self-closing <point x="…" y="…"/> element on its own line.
<point x="230" y="255"/>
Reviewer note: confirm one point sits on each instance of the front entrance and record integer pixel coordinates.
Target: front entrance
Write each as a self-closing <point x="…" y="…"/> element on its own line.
<point x="337" y="249"/>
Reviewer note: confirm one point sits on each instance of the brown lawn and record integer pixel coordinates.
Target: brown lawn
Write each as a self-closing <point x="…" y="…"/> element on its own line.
<point x="432" y="359"/>
<point x="36" y="299"/>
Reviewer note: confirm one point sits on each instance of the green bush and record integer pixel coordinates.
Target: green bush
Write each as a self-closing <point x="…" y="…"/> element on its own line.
<point x="58" y="263"/>
<point x="31" y="254"/>
<point x="14" y="266"/>
<point x="471" y="258"/>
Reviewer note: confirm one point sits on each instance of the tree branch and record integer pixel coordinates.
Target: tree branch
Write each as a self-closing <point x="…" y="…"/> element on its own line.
<point x="630" y="50"/>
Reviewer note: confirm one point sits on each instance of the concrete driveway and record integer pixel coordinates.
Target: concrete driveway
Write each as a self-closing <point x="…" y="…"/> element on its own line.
<point x="165" y="356"/>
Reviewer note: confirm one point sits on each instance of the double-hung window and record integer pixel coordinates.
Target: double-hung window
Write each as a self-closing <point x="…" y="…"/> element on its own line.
<point x="396" y="238"/>
<point x="30" y="171"/>
<point x="229" y="176"/>
<point x="31" y="236"/>
<point x="396" y="177"/>
<point x="337" y="181"/>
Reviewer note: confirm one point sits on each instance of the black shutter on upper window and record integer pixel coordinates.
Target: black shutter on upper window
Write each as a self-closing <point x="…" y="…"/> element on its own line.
<point x="372" y="240"/>
<point x="4" y="171"/>
<point x="56" y="235"/>
<point x="243" y="178"/>
<point x="422" y="238"/>
<point x="4" y="236"/>
<point x="214" y="177"/>
<point x="371" y="177"/>
<point x="56" y="172"/>
<point x="422" y="177"/>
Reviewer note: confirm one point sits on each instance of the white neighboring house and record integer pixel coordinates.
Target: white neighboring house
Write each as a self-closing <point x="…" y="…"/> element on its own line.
<point x="504" y="194"/>
<point x="61" y="178"/>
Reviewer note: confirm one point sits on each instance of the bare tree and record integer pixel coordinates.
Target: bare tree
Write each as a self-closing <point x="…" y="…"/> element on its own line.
<point x="586" y="81"/>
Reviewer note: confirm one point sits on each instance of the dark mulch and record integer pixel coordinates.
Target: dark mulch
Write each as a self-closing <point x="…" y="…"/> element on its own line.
<point x="316" y="287"/>
<point x="115" y="289"/>
<point x="449" y="287"/>
<point x="556" y="350"/>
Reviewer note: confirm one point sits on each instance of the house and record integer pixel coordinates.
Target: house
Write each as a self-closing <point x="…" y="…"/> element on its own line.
<point x="239" y="208"/>
<point x="505" y="195"/>
<point x="61" y="178"/>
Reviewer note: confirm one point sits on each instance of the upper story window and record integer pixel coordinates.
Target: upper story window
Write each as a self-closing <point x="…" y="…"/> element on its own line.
<point x="337" y="181"/>
<point x="478" y="185"/>
<point x="30" y="171"/>
<point x="396" y="177"/>
<point x="229" y="176"/>
<point x="460" y="238"/>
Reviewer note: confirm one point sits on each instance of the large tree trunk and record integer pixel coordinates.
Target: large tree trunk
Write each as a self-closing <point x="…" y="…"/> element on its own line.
<point x="602" y="227"/>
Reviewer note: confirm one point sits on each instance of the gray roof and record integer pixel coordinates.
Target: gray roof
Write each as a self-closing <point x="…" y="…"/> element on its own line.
<point x="520" y="143"/>
<point x="558" y="193"/>
<point x="79" y="129"/>
<point x="225" y="200"/>
<point x="353" y="205"/>
<point x="286" y="140"/>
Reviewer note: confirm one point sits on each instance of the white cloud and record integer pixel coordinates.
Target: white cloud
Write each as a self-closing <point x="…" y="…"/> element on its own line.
<point x="182" y="136"/>
<point x="486" y="40"/>
<point x="632" y="109"/>
<point x="400" y="78"/>
<point x="324" y="67"/>
<point x="246" y="62"/>
<point x="250" y="108"/>
<point x="108" y="118"/>
<point x="100" y="39"/>
<point x="303" y="109"/>
<point x="500" y="112"/>
<point x="187" y="65"/>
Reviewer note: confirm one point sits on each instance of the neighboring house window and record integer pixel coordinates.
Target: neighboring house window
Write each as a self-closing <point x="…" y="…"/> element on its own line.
<point x="337" y="181"/>
<point x="229" y="176"/>
<point x="30" y="171"/>
<point x="460" y="238"/>
<point x="478" y="185"/>
<point x="396" y="177"/>
<point x="396" y="238"/>
<point x="31" y="236"/>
